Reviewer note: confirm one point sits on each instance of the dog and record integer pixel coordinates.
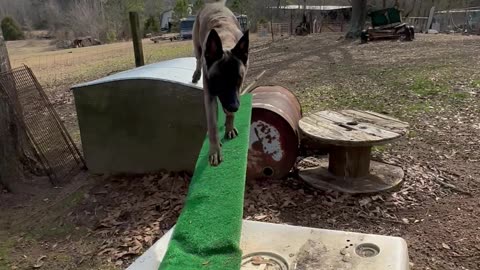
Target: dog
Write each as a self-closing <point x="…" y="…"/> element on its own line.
<point x="221" y="50"/>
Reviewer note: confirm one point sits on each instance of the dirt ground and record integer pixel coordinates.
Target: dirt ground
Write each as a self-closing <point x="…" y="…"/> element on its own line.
<point x="100" y="222"/>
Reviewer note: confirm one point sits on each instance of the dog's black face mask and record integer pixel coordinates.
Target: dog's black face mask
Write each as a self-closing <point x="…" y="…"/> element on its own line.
<point x="226" y="70"/>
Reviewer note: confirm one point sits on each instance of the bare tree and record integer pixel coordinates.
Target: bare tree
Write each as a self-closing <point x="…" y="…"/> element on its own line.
<point x="11" y="172"/>
<point x="359" y="15"/>
<point x="16" y="9"/>
<point x="55" y="17"/>
<point x="85" y="18"/>
<point x="154" y="7"/>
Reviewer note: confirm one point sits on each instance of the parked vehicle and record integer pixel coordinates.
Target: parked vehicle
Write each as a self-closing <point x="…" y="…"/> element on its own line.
<point x="387" y="24"/>
<point x="186" y="27"/>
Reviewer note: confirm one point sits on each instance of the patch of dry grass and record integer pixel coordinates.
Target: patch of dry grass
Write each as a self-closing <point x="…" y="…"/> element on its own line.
<point x="60" y="69"/>
<point x="63" y="68"/>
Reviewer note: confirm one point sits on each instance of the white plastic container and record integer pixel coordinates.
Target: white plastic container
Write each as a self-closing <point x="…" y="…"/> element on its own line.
<point x="284" y="247"/>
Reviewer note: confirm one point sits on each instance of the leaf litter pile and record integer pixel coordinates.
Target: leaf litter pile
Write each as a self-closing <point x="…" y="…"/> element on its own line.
<point x="130" y="213"/>
<point x="436" y="209"/>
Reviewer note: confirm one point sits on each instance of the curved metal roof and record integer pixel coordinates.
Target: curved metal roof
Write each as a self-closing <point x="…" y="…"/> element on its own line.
<point x="178" y="70"/>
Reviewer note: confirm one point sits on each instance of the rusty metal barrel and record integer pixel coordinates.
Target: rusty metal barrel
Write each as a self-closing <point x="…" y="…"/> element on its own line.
<point x="274" y="132"/>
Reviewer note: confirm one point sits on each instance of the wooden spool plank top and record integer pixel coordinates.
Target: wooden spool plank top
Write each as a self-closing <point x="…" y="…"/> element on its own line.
<point x="382" y="120"/>
<point x="352" y="128"/>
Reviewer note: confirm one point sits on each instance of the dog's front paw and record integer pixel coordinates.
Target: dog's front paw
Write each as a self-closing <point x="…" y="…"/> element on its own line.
<point x="231" y="134"/>
<point x="196" y="76"/>
<point x="215" y="155"/>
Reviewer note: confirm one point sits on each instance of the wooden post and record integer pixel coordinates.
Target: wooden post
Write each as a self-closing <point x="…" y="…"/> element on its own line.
<point x="311" y="23"/>
<point x="137" y="39"/>
<point x="271" y="24"/>
<point x="291" y="22"/>
<point x="271" y="30"/>
<point x="430" y="19"/>
<point x="357" y="22"/>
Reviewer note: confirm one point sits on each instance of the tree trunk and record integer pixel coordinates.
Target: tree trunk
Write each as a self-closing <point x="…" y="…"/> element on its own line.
<point x="11" y="172"/>
<point x="359" y="15"/>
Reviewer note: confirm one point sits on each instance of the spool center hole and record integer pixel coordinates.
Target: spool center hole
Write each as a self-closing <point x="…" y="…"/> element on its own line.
<point x="268" y="172"/>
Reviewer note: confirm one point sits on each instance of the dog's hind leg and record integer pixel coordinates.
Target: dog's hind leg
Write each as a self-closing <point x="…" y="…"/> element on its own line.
<point x="197" y="50"/>
<point x="198" y="70"/>
<point x="230" y="131"/>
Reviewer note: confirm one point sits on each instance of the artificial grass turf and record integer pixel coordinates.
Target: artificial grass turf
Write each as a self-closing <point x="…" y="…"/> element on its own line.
<point x="207" y="234"/>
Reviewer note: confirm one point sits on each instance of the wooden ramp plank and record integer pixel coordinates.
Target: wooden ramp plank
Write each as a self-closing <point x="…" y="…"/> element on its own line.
<point x="207" y="234"/>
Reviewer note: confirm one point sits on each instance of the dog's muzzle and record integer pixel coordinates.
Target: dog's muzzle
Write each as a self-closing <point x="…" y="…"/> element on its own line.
<point x="230" y="104"/>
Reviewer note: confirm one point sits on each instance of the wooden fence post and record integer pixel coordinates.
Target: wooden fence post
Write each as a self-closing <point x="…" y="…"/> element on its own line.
<point x="430" y="18"/>
<point x="291" y="22"/>
<point x="137" y="39"/>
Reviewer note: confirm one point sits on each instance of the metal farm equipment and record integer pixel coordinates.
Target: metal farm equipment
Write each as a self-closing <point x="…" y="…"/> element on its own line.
<point x="387" y="24"/>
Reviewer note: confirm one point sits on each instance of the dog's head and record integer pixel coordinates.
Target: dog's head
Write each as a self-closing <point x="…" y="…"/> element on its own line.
<point x="226" y="69"/>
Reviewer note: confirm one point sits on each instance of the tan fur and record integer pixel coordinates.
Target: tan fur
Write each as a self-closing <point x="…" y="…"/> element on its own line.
<point x="215" y="16"/>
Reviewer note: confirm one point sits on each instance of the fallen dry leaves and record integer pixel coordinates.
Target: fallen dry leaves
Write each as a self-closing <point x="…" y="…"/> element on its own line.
<point x="40" y="262"/>
<point x="444" y="144"/>
<point x="137" y="212"/>
<point x="294" y="201"/>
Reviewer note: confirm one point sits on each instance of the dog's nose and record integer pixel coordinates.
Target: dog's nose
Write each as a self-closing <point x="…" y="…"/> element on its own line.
<point x="232" y="108"/>
<point x="235" y="105"/>
<point x="230" y="103"/>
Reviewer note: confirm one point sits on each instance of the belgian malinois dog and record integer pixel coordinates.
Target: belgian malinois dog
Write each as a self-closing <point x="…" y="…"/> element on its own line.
<point x="221" y="49"/>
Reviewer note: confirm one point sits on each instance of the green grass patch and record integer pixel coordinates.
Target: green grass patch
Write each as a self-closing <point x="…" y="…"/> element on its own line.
<point x="398" y="91"/>
<point x="418" y="107"/>
<point x="315" y="99"/>
<point x="6" y="245"/>
<point x="379" y="149"/>
<point x="424" y="86"/>
<point x="333" y="97"/>
<point x="475" y="84"/>
<point x="458" y="97"/>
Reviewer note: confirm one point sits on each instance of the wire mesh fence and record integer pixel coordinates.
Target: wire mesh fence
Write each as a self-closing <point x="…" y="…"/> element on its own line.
<point x="70" y="66"/>
<point x="465" y="20"/>
<point x="52" y="147"/>
<point x="267" y="30"/>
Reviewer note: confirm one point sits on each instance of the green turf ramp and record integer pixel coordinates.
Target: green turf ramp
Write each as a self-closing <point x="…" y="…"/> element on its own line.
<point x="207" y="234"/>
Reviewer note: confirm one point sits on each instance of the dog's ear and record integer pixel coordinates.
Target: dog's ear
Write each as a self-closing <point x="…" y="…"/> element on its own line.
<point x="214" y="49"/>
<point x="241" y="49"/>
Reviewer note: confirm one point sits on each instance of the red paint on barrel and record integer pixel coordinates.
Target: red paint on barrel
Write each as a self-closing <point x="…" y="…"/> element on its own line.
<point x="274" y="136"/>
